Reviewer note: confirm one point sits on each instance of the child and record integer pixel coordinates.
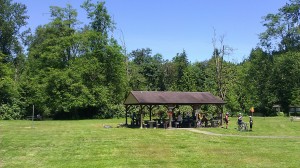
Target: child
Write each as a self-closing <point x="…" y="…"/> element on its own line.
<point x="251" y="123"/>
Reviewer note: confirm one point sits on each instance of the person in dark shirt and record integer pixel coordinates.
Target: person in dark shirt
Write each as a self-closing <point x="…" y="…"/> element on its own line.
<point x="226" y="119"/>
<point x="204" y="120"/>
<point x="240" y="119"/>
<point x="251" y="122"/>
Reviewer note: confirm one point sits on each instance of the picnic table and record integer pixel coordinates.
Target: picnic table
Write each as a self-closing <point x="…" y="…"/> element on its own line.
<point x="214" y="123"/>
<point x="151" y="123"/>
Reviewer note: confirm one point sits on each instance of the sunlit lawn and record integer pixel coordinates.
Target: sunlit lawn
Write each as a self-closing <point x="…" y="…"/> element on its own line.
<point x="86" y="143"/>
<point x="264" y="126"/>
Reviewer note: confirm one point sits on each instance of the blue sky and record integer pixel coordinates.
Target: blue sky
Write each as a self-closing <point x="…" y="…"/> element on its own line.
<point x="170" y="26"/>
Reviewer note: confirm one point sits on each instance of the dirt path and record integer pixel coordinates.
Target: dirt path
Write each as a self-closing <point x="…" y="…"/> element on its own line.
<point x="250" y="136"/>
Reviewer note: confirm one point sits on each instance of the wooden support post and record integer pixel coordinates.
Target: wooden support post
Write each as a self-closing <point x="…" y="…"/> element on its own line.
<point x="126" y="113"/>
<point x="32" y="116"/>
<point x="171" y="108"/>
<point x="170" y="113"/>
<point x="142" y="116"/>
<point x="195" y="113"/>
<point x="150" y="111"/>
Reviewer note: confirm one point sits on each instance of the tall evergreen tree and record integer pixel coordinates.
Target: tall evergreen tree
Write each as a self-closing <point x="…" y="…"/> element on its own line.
<point x="259" y="80"/>
<point x="180" y="62"/>
<point x="286" y="79"/>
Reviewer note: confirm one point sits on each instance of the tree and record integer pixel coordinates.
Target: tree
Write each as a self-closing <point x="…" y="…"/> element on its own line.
<point x="189" y="79"/>
<point x="277" y="71"/>
<point x="180" y="62"/>
<point x="100" y="19"/>
<point x="51" y="48"/>
<point x="168" y="79"/>
<point x="286" y="77"/>
<point x="141" y="56"/>
<point x="12" y="18"/>
<point x="282" y="28"/>
<point x="140" y="68"/>
<point x="12" y="61"/>
<point x="56" y="43"/>
<point x="218" y="56"/>
<point x="136" y="79"/>
<point x="106" y="50"/>
<point x="66" y="19"/>
<point x="235" y="88"/>
<point x="260" y="87"/>
<point x="152" y="71"/>
<point x="146" y="70"/>
<point x="75" y="73"/>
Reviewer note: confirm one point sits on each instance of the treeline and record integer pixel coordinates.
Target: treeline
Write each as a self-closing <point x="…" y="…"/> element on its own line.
<point x="72" y="71"/>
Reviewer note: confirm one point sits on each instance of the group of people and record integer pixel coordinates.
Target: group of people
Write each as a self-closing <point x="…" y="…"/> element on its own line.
<point x="198" y="120"/>
<point x="239" y="121"/>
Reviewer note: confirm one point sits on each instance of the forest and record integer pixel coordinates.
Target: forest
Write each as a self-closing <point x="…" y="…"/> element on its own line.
<point x="72" y="72"/>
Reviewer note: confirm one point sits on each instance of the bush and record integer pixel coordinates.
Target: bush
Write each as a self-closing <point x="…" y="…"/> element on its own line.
<point x="281" y="114"/>
<point x="10" y="112"/>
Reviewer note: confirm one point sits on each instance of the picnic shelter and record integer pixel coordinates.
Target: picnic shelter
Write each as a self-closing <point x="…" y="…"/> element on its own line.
<point x="171" y="100"/>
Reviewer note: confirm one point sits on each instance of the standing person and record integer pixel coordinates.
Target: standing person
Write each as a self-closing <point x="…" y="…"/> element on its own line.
<point x="189" y="119"/>
<point x="204" y="120"/>
<point x="240" y="121"/>
<point x="179" y="120"/>
<point x="251" y="122"/>
<point x="226" y="119"/>
<point x="133" y="118"/>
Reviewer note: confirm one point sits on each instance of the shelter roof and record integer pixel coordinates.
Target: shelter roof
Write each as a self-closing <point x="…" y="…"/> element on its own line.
<point x="176" y="98"/>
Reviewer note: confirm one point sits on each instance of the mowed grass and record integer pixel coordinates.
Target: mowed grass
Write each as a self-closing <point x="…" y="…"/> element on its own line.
<point x="86" y="143"/>
<point x="263" y="126"/>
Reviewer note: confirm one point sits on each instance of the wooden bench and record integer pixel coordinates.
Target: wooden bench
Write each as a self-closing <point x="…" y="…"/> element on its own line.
<point x="34" y="118"/>
<point x="30" y="118"/>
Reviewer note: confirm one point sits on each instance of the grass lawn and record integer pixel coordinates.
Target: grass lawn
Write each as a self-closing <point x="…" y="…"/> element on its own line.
<point x="85" y="143"/>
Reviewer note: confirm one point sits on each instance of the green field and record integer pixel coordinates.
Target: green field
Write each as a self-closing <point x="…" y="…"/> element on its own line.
<point x="274" y="142"/>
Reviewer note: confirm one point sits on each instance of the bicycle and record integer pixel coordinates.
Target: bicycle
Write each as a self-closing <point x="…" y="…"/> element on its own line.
<point x="243" y="126"/>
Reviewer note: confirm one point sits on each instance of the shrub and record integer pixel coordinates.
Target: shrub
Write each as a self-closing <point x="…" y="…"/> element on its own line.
<point x="281" y="114"/>
<point x="10" y="112"/>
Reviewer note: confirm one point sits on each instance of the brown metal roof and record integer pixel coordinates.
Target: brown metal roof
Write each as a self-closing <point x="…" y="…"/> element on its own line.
<point x="178" y="98"/>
